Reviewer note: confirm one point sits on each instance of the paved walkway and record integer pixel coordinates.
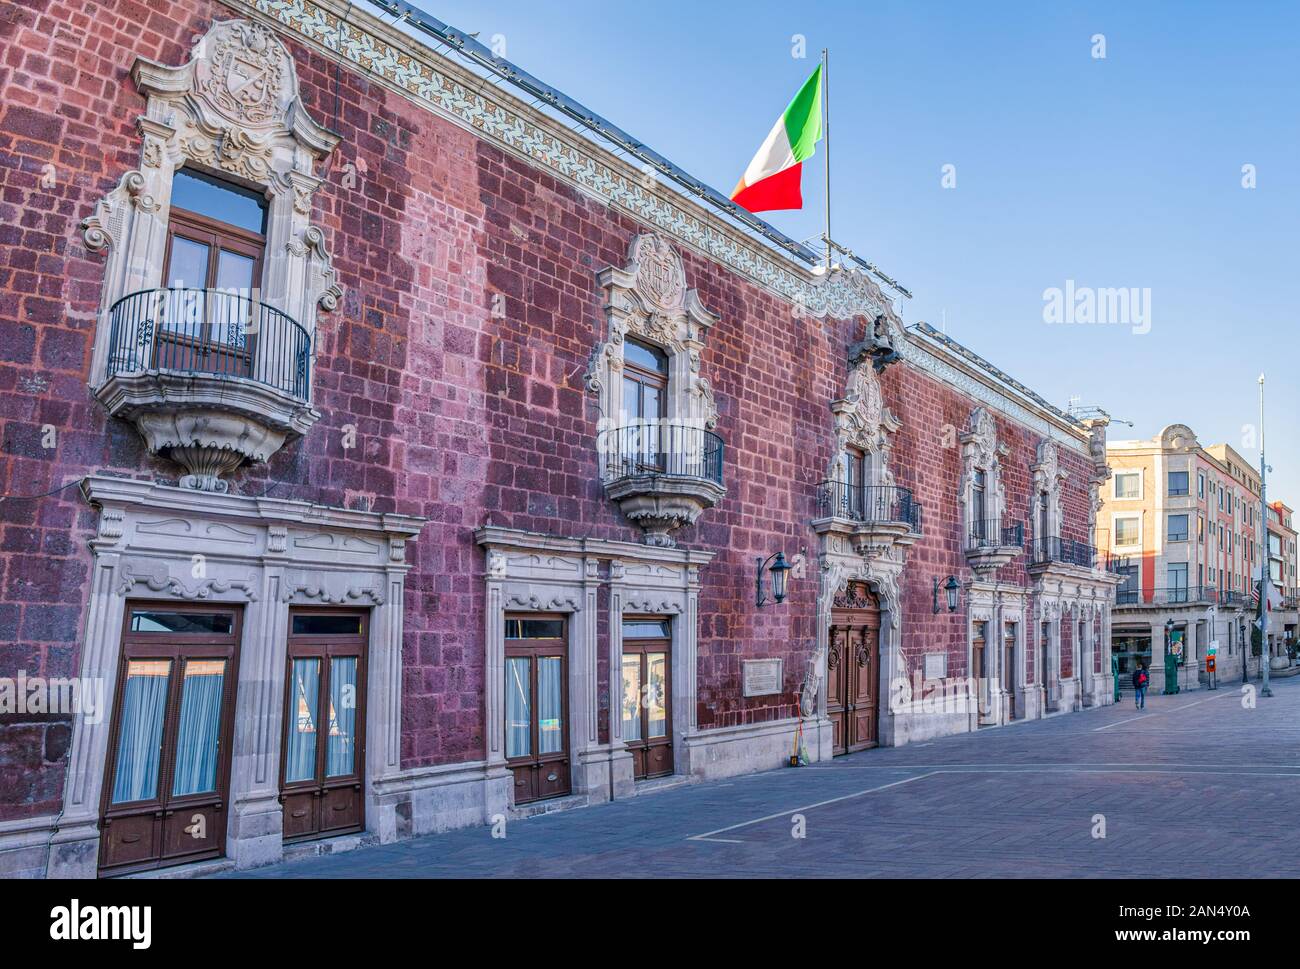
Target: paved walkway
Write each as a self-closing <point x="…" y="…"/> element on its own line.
<point x="1198" y="785"/>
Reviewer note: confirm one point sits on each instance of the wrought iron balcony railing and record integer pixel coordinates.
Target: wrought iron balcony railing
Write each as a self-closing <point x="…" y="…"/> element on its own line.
<point x="209" y="331"/>
<point x="873" y="504"/>
<point x="1172" y="596"/>
<point x="1063" y="550"/>
<point x="660" y="447"/>
<point x="996" y="533"/>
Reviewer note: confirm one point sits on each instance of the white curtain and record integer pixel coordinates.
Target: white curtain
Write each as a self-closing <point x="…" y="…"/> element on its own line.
<point x="300" y="754"/>
<point x="341" y="744"/>
<point x="144" y="700"/>
<point x="200" y="727"/>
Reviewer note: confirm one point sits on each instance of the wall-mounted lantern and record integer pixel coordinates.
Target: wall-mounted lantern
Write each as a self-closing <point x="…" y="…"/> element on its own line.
<point x="950" y="591"/>
<point x="780" y="578"/>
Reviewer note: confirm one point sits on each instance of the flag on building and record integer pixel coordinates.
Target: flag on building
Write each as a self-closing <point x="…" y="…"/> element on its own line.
<point x="773" y="179"/>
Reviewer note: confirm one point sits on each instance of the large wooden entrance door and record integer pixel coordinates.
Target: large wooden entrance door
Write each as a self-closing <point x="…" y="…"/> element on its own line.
<point x="647" y="693"/>
<point x="536" y="707"/>
<point x="852" y="670"/>
<point x="322" y="779"/>
<point x="169" y="749"/>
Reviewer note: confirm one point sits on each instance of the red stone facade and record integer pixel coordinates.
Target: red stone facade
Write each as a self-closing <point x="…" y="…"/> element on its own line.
<point x="467" y="409"/>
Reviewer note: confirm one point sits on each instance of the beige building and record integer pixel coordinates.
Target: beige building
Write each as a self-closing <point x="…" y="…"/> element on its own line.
<point x="1183" y="521"/>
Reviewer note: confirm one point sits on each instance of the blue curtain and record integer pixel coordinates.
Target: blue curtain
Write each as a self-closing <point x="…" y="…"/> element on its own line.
<point x="300" y="755"/>
<point x="200" y="727"/>
<point x="340" y="747"/>
<point x="144" y="700"/>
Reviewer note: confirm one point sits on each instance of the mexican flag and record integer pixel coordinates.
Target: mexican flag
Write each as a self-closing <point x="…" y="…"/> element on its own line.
<point x="772" y="180"/>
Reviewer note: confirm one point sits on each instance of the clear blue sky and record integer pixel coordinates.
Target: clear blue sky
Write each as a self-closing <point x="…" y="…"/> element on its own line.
<point x="1122" y="172"/>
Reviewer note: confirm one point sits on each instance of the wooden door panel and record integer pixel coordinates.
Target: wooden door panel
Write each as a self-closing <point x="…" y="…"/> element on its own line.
<point x="130" y="840"/>
<point x="187" y="830"/>
<point x="340" y="807"/>
<point x="300" y="814"/>
<point x="659" y="760"/>
<point x="552" y="778"/>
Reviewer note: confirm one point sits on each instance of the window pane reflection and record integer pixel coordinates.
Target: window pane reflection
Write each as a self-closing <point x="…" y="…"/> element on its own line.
<point x="300" y="757"/>
<point x="340" y="751"/>
<point x="550" y="705"/>
<point x="656" y="695"/>
<point x="632" y="697"/>
<point x="518" y="707"/>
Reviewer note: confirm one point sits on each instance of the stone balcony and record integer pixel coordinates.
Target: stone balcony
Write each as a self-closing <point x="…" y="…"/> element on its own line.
<point x="873" y="518"/>
<point x="210" y="378"/>
<point x="992" y="544"/>
<point x="662" y="474"/>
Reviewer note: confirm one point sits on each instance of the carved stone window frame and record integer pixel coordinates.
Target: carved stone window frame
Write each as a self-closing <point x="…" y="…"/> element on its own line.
<point x="863" y="422"/>
<point x="648" y="299"/>
<point x="526" y="572"/>
<point x="981" y="451"/>
<point x="234" y="112"/>
<point x="267" y="555"/>
<point x="1048" y="476"/>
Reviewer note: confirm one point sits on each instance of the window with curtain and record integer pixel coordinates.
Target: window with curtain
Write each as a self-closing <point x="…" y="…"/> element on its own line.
<point x="198" y="737"/>
<point x="300" y="750"/>
<point x="139" y="742"/>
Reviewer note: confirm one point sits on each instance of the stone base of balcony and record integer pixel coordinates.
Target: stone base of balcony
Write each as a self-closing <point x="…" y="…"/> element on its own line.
<point x="209" y="424"/>
<point x="984" y="561"/>
<point x="662" y="503"/>
<point x="867" y="538"/>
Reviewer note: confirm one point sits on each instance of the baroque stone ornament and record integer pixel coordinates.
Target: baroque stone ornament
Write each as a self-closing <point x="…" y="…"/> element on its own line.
<point x="863" y="421"/>
<point x="648" y="300"/>
<point x="233" y="111"/>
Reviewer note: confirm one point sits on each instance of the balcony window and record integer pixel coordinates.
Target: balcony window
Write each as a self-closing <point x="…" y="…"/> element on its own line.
<point x="213" y="271"/>
<point x="1178" y="484"/>
<point x="1177" y="528"/>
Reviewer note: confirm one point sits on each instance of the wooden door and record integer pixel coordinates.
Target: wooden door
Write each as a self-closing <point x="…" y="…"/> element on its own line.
<point x="647" y="696"/>
<point x="1009" y="669"/>
<point x="977" y="667"/>
<point x="322" y="765"/>
<point x="852" y="671"/>
<point x="536" y="706"/>
<point x="168" y="770"/>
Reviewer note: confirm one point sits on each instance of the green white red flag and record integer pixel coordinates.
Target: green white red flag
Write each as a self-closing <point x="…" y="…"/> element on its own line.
<point x="773" y="179"/>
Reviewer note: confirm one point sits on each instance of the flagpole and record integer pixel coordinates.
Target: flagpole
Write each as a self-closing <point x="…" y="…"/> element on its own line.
<point x="1264" y="653"/>
<point x="826" y="134"/>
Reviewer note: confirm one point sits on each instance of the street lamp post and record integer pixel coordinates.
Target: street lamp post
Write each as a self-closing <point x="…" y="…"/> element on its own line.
<point x="1264" y="656"/>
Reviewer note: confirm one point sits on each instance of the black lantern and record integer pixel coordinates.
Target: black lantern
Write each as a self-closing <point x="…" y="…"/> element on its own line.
<point x="780" y="578"/>
<point x="950" y="593"/>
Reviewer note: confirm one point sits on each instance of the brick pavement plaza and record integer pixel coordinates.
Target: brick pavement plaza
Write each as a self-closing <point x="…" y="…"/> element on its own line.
<point x="1199" y="785"/>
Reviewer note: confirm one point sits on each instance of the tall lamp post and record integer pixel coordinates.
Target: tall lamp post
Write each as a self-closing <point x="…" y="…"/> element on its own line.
<point x="1245" y="650"/>
<point x="1264" y="656"/>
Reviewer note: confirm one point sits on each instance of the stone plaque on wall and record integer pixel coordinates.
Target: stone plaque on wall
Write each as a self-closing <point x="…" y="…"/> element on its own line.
<point x="936" y="666"/>
<point x="762" y="677"/>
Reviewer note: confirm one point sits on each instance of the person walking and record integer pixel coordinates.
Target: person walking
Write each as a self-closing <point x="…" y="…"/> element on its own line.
<point x="1140" y="681"/>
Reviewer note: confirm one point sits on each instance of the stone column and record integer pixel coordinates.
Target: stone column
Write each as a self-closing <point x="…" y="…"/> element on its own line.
<point x="622" y="782"/>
